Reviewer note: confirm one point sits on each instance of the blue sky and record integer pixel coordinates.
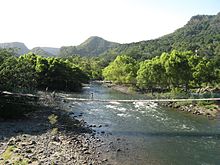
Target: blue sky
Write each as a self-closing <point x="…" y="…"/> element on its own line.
<point x="59" y="23"/>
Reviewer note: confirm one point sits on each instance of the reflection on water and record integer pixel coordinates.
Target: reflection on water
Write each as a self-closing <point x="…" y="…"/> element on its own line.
<point x="154" y="135"/>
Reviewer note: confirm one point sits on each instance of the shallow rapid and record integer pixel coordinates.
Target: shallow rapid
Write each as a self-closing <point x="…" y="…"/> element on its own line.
<point x="153" y="134"/>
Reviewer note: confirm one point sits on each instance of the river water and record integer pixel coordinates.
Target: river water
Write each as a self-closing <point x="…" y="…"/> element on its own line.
<point x="153" y="134"/>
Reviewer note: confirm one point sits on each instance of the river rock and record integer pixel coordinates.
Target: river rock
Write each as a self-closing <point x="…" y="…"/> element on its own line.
<point x="87" y="152"/>
<point x="118" y="150"/>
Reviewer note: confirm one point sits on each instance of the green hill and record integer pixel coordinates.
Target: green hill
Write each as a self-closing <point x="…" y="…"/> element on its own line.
<point x="51" y="50"/>
<point x="93" y="46"/>
<point x="45" y="51"/>
<point x="200" y="34"/>
<point x="19" y="47"/>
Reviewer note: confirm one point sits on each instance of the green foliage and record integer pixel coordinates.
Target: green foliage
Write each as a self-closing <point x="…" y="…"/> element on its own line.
<point x="8" y="153"/>
<point x="52" y="119"/>
<point x="178" y="93"/>
<point x="206" y="103"/>
<point x="17" y="73"/>
<point x="57" y="74"/>
<point x="4" y="54"/>
<point x="92" y="66"/>
<point x="205" y="72"/>
<point x="200" y="34"/>
<point x="12" y="157"/>
<point x="122" y="70"/>
<point x="31" y="71"/>
<point x="93" y="46"/>
<point x="177" y="70"/>
<point x="151" y="74"/>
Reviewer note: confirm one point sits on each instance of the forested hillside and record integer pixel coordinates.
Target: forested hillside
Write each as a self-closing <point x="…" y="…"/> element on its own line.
<point x="41" y="52"/>
<point x="19" y="48"/>
<point x="201" y="35"/>
<point x="192" y="52"/>
<point x="45" y="51"/>
<point x="93" y="46"/>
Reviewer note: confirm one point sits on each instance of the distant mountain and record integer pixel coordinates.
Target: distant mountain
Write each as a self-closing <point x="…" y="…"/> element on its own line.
<point x="45" y="51"/>
<point x="93" y="46"/>
<point x="19" y="48"/>
<point x="200" y="34"/>
<point x="53" y="51"/>
<point x="41" y="52"/>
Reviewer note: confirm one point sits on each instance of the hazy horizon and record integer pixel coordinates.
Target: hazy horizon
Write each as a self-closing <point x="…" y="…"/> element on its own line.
<point x="56" y="23"/>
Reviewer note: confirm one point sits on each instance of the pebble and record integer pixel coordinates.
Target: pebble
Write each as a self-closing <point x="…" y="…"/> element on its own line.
<point x="87" y="152"/>
<point x="105" y="160"/>
<point x="118" y="150"/>
<point x="40" y="149"/>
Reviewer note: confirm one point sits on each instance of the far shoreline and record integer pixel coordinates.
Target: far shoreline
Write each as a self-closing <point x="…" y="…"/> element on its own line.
<point x="191" y="107"/>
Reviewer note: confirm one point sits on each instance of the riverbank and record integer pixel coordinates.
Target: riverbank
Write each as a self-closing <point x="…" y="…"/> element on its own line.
<point x="49" y="136"/>
<point x="120" y="88"/>
<point x="210" y="110"/>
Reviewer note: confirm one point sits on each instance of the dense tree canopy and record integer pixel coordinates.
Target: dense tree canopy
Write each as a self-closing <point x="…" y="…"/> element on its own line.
<point x="30" y="71"/>
<point x="122" y="70"/>
<point x="177" y="69"/>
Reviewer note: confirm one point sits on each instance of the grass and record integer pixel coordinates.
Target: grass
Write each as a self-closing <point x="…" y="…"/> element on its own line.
<point x="52" y="119"/>
<point x="13" y="158"/>
<point x="183" y="103"/>
<point x="54" y="131"/>
<point x="21" y="162"/>
<point x="8" y="153"/>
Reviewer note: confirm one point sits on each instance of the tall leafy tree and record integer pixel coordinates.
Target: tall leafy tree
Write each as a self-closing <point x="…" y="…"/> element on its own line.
<point x="122" y="70"/>
<point x="17" y="74"/>
<point x="178" y="68"/>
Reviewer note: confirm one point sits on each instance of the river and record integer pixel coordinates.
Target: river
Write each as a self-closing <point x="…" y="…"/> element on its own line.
<point x="152" y="134"/>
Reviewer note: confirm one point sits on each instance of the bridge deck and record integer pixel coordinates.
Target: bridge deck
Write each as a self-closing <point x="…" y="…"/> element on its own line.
<point x="5" y="93"/>
<point x="148" y="100"/>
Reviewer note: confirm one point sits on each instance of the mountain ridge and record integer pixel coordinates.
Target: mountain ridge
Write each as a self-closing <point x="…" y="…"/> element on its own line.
<point x="20" y="48"/>
<point x="93" y="46"/>
<point x="201" y="34"/>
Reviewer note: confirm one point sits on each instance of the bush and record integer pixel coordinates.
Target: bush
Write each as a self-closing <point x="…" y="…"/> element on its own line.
<point x="179" y="93"/>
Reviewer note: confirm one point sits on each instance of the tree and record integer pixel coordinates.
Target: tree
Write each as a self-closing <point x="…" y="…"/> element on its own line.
<point x="17" y="74"/>
<point x="143" y="75"/>
<point x="4" y="54"/>
<point x="178" y="69"/>
<point x="205" y="72"/>
<point x="122" y="70"/>
<point x="151" y="74"/>
<point x="57" y="74"/>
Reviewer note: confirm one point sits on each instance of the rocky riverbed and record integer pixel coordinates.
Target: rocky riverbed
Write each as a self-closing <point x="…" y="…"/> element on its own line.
<point x="212" y="111"/>
<point x="50" y="136"/>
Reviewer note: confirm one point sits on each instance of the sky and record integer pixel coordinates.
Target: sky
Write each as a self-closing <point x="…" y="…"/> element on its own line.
<point x="56" y="23"/>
